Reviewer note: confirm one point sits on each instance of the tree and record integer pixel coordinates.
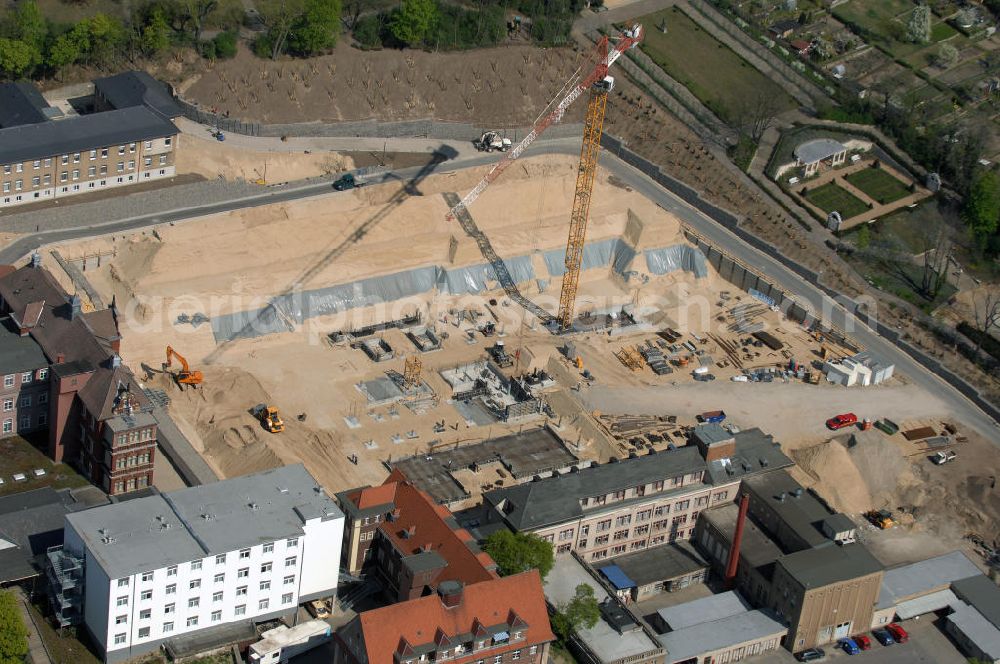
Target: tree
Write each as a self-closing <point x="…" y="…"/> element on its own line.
<point x="411" y="23"/>
<point x="864" y="238"/>
<point x="279" y="16"/>
<point x="30" y="26"/>
<point x="918" y="29"/>
<point x="581" y="611"/>
<point x="981" y="211"/>
<point x="368" y="31"/>
<point x="69" y="47"/>
<point x="936" y="249"/>
<point x="13" y="634"/>
<point x="155" y="36"/>
<point x="106" y="36"/>
<point x="985" y="312"/>
<point x="225" y="45"/>
<point x="17" y="58"/>
<point x="317" y="28"/>
<point x="947" y="56"/>
<point x="757" y="115"/>
<point x="519" y="552"/>
<point x="195" y="12"/>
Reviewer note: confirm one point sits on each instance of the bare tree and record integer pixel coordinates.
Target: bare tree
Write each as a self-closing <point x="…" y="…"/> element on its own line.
<point x="757" y="115"/>
<point x="985" y="312"/>
<point x="937" y="248"/>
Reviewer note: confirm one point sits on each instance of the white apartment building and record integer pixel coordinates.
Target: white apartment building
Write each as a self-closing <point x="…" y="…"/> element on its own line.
<point x="153" y="568"/>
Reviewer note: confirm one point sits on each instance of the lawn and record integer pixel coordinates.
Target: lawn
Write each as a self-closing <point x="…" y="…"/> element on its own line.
<point x="873" y="16"/>
<point x="878" y="185"/>
<point x="722" y="80"/>
<point x="20" y="456"/>
<point x="832" y="197"/>
<point x="65" y="648"/>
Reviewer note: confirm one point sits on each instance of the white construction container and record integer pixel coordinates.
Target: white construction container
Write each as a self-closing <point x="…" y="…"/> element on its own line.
<point x="282" y="643"/>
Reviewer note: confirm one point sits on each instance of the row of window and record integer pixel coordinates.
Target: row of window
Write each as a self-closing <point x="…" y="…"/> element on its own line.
<point x="8" y="424"/>
<point x="131" y="484"/>
<point x="26" y="377"/>
<point x="634" y="546"/>
<point x="132" y="460"/>
<point x="66" y="176"/>
<point x="498" y="659"/>
<point x="90" y="185"/>
<point x="195" y="602"/>
<point x="64" y="159"/>
<point x="291" y="561"/>
<point x="192" y="621"/>
<point x="8" y="402"/>
<point x="640" y="490"/>
<point x="134" y="436"/>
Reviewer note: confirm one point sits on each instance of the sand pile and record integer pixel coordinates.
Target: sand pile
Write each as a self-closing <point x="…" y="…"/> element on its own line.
<point x="212" y="159"/>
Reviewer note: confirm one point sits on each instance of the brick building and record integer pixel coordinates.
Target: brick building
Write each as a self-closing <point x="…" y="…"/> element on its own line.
<point x="61" y="371"/>
<point x="628" y="505"/>
<point x="500" y="621"/>
<point x="408" y="541"/>
<point x="46" y="153"/>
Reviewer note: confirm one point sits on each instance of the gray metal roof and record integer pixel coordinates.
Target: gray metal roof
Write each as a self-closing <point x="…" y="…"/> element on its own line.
<point x="828" y="564"/>
<point x="727" y="632"/>
<point x="757" y="548"/>
<point x="906" y="581"/>
<point x="978" y="630"/>
<point x="137" y="88"/>
<point x="704" y="609"/>
<point x="20" y="104"/>
<point x="557" y="499"/>
<point x="983" y="594"/>
<point x="658" y="563"/>
<point x="803" y="514"/>
<point x="817" y="150"/>
<point x="18" y="353"/>
<point x="84" y="132"/>
<point x="126" y="422"/>
<point x="153" y="532"/>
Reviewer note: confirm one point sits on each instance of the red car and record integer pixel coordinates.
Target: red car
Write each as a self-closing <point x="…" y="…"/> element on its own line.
<point x="841" y="421"/>
<point x="898" y="633"/>
<point x="863" y="641"/>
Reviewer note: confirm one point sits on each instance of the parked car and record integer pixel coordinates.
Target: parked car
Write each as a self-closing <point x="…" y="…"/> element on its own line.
<point x="849" y="646"/>
<point x="898" y="633"/>
<point x="811" y="655"/>
<point x="863" y="641"/>
<point x="883" y="637"/>
<point x="944" y="457"/>
<point x="841" y="421"/>
<point x="319" y="609"/>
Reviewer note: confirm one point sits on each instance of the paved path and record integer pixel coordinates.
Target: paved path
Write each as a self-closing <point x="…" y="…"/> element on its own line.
<point x="36" y="649"/>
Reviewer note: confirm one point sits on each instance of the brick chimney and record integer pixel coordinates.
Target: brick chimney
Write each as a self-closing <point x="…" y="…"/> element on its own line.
<point x="450" y="593"/>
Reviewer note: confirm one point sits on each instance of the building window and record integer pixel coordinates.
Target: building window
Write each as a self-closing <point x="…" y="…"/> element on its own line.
<point x="119" y="639"/>
<point x="122" y="583"/>
<point x="217" y="596"/>
<point x="8" y="426"/>
<point x="143" y="632"/>
<point x="265" y="585"/>
<point x="42" y="419"/>
<point x="35" y="181"/>
<point x="168" y="627"/>
<point x="6" y="187"/>
<point x="18" y="185"/>
<point x="532" y="650"/>
<point x="195" y="583"/>
<point x="131" y="147"/>
<point x="286" y="598"/>
<point x="292" y="542"/>
<point x="147" y="576"/>
<point x="172" y="588"/>
<point x="269" y="547"/>
<point x="192" y="621"/>
<point x="289" y="580"/>
<point x="25" y="421"/>
<point x="290" y="561"/>
<point x="220" y="559"/>
<point x="36" y="164"/>
<point x="76" y="158"/>
<point x="240" y="610"/>
<point x="93" y="155"/>
<point x="243" y="573"/>
<point x="92" y="172"/>
<point x="146" y="595"/>
<point x="265" y="568"/>
<point x="121" y="149"/>
<point x="64" y="176"/>
<point x="263" y="604"/>
<point x="104" y="170"/>
<point x="8" y="405"/>
<point x="47" y="179"/>
<point x="241" y="590"/>
<point x="148" y="161"/>
<point x="194" y="602"/>
<point x="131" y="164"/>
<point x="163" y="159"/>
<point x="42" y="375"/>
<point x="515" y="655"/>
<point x="172" y="570"/>
<point x="582" y="544"/>
<point x="195" y="565"/>
<point x="122" y="601"/>
<point x="121" y="168"/>
<point x="168" y="608"/>
<point x="216" y="616"/>
<point x="623" y="520"/>
<point x="167" y="140"/>
<point x="121" y="620"/>
<point x="621" y="534"/>
<point x="220" y="578"/>
<point x="244" y="553"/>
<point x="64" y="159"/>
<point x="148" y="144"/>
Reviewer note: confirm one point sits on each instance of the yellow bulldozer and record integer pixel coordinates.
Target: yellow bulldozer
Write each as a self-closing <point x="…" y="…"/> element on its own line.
<point x="269" y="418"/>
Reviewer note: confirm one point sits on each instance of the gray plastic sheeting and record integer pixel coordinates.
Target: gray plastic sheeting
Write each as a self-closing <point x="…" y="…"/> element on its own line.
<point x="479" y="278"/>
<point x="615" y="252"/>
<point x="678" y="257"/>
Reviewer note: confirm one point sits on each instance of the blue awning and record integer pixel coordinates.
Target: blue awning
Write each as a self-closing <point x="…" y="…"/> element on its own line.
<point x="617" y="577"/>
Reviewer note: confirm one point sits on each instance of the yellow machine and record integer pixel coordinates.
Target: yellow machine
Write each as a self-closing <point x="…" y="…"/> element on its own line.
<point x="271" y="420"/>
<point x="882" y="519"/>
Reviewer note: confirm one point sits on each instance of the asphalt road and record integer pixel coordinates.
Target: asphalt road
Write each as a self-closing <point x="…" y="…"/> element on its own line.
<point x="962" y="409"/>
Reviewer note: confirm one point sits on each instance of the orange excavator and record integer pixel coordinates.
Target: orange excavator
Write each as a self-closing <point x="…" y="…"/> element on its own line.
<point x="185" y="376"/>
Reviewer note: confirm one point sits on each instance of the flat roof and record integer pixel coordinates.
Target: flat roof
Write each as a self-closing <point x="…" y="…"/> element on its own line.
<point x="803" y="514"/>
<point x="603" y="639"/>
<point x="918" y="606"/>
<point x="175" y="527"/>
<point x="557" y="499"/>
<point x="704" y="609"/>
<point x="977" y="629"/>
<point x="757" y="548"/>
<point x="523" y="454"/>
<point x="20" y="104"/>
<point x="720" y="634"/>
<point x="84" y="132"/>
<point x="983" y="594"/>
<point x="817" y="150"/>
<point x="137" y="88"/>
<point x="906" y="581"/>
<point x="830" y="563"/>
<point x="658" y="563"/>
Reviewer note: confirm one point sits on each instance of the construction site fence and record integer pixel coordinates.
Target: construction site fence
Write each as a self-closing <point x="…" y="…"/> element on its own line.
<point x="858" y="310"/>
<point x="426" y="128"/>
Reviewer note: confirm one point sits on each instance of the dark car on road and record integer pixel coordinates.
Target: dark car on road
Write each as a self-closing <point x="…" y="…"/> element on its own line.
<point x="898" y="633"/>
<point x="811" y="655"/>
<point x="883" y="637"/>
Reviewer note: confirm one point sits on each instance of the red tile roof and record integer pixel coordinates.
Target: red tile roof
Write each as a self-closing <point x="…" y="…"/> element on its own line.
<point x="514" y="599"/>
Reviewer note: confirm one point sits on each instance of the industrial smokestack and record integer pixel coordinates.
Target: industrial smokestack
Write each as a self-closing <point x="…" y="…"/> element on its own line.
<point x="734" y="551"/>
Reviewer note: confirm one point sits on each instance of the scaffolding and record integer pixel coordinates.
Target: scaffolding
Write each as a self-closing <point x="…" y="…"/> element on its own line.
<point x="411" y="372"/>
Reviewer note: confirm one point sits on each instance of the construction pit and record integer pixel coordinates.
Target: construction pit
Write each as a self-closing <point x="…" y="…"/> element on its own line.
<point x="288" y="305"/>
